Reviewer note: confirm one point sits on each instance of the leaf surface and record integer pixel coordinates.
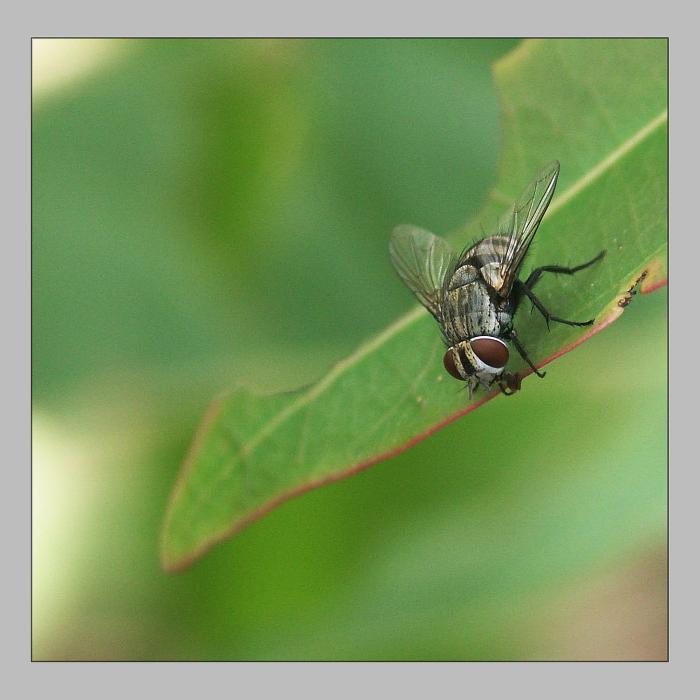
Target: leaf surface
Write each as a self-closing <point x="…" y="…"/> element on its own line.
<point x="599" y="107"/>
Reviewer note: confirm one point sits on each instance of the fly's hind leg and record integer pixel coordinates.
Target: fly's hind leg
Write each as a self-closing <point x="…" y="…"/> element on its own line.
<point x="525" y="288"/>
<point x="541" y="308"/>
<point x="535" y="275"/>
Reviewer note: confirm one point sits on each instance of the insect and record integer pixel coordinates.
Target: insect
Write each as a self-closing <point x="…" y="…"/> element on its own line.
<point x="474" y="295"/>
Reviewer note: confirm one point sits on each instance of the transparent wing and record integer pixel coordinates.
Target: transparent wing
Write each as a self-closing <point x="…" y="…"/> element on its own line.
<point x="422" y="260"/>
<point x="520" y="224"/>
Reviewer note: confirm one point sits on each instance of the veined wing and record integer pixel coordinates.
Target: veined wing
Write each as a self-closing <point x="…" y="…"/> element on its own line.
<point x="520" y="224"/>
<point x="422" y="260"/>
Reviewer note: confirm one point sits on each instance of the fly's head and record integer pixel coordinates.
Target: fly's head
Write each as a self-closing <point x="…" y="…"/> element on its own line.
<point x="480" y="360"/>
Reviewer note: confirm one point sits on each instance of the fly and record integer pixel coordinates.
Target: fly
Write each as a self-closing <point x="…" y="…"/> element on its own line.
<point x="474" y="296"/>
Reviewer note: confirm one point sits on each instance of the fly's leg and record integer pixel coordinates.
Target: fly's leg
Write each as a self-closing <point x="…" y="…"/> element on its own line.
<point x="559" y="270"/>
<point x="521" y="287"/>
<point x="525" y="288"/>
<point x="512" y="381"/>
<point x="521" y="351"/>
<point x="509" y="383"/>
<point x="470" y="388"/>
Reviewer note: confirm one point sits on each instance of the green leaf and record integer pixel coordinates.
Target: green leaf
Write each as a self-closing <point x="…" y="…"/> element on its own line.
<point x="598" y="106"/>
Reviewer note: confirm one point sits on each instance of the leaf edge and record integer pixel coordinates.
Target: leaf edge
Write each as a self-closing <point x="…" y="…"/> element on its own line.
<point x="649" y="278"/>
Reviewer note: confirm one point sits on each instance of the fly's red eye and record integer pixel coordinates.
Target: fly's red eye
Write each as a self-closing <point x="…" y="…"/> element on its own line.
<point x="491" y="351"/>
<point x="449" y="363"/>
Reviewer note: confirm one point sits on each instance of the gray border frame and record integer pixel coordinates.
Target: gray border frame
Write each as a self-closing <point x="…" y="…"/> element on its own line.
<point x="572" y="678"/>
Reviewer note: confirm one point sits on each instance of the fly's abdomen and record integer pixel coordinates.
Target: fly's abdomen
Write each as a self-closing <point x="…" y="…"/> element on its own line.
<point x="487" y="251"/>
<point x="487" y="257"/>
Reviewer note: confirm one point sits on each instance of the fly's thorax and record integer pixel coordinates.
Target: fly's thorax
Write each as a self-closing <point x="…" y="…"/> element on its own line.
<point x="482" y="356"/>
<point x="470" y="311"/>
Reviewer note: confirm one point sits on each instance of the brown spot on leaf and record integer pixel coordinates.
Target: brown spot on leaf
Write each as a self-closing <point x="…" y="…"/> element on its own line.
<point x="632" y="291"/>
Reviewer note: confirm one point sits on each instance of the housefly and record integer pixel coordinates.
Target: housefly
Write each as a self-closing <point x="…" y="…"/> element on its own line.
<point x="474" y="295"/>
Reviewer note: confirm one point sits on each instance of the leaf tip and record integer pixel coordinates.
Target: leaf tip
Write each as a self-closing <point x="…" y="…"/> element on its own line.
<point x="170" y="559"/>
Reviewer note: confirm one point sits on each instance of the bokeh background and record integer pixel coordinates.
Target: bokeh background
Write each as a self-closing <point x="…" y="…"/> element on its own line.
<point x="193" y="206"/>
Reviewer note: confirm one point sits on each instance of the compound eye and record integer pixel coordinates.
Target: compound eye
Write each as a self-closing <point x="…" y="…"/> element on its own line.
<point x="449" y="362"/>
<point x="491" y="351"/>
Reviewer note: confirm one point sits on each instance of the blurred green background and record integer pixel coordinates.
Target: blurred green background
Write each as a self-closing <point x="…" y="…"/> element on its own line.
<point x="194" y="202"/>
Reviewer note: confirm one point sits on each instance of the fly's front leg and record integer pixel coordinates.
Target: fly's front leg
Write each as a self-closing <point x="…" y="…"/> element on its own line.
<point x="521" y="351"/>
<point x="509" y="384"/>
